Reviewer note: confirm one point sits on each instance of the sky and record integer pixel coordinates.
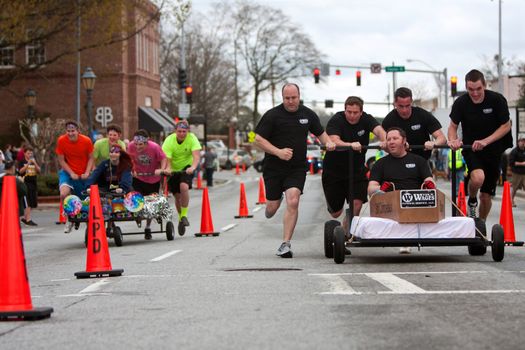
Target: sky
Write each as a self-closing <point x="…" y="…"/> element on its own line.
<point x="458" y="35"/>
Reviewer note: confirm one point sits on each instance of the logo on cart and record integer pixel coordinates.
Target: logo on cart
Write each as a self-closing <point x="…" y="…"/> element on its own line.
<point x="418" y="199"/>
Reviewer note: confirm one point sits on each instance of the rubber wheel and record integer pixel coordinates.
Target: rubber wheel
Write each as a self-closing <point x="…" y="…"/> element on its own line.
<point x="479" y="249"/>
<point x="339" y="245"/>
<point x="117" y="236"/>
<point x="498" y="243"/>
<point x="170" y="229"/>
<point x="329" y="227"/>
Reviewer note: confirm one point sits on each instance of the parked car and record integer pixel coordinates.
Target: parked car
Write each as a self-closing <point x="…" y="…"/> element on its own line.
<point x="236" y="156"/>
<point x="315" y="156"/>
<point x="217" y="144"/>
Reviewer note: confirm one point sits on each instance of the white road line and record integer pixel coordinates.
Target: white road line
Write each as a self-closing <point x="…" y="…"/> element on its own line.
<point x="407" y="273"/>
<point x="83" y="295"/>
<point x="164" y="256"/>
<point x="338" y="286"/>
<point x="501" y="291"/>
<point x="257" y="209"/>
<point x="61" y="279"/>
<point x="95" y="286"/>
<point x="31" y="230"/>
<point x="228" y="227"/>
<point x="395" y="284"/>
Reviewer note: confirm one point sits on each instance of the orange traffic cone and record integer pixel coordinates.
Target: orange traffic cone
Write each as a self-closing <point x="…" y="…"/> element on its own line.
<point x="243" y="206"/>
<point x="243" y="167"/>
<point x="461" y="201"/>
<point x="262" y="192"/>
<point x="61" y="215"/>
<point x="15" y="293"/>
<point x="311" y="166"/>
<point x="199" y="181"/>
<point x="237" y="169"/>
<point x="98" y="262"/>
<point x="206" y="220"/>
<point x="506" y="218"/>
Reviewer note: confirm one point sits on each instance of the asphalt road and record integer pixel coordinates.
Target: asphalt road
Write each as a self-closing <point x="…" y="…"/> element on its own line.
<point x="232" y="292"/>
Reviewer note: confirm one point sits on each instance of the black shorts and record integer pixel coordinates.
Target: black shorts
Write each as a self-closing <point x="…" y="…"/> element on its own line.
<point x="489" y="163"/>
<point x="278" y="181"/>
<point x="145" y="188"/>
<point x="336" y="190"/>
<point x="32" y="194"/>
<point x="178" y="178"/>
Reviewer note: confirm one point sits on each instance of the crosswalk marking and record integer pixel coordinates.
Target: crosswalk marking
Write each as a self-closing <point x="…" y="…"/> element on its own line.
<point x="338" y="285"/>
<point x="396" y="284"/>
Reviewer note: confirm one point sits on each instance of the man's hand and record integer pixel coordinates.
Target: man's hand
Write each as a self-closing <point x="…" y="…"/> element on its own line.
<point x="429" y="145"/>
<point x="382" y="145"/>
<point x="285" y="153"/>
<point x="190" y="170"/>
<point x="84" y="176"/>
<point x="158" y="172"/>
<point x="119" y="190"/>
<point x="478" y="145"/>
<point x="387" y="186"/>
<point x="428" y="185"/>
<point x="330" y="146"/>
<point x="455" y="144"/>
<point x="356" y="146"/>
<point x="74" y="176"/>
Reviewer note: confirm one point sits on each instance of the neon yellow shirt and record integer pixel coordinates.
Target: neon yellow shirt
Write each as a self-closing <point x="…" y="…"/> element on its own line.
<point x="180" y="154"/>
<point x="101" y="149"/>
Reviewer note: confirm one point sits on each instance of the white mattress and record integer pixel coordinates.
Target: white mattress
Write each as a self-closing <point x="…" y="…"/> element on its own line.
<point x="379" y="228"/>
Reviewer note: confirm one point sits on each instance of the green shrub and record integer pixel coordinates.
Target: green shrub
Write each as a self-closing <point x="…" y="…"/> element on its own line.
<point x="48" y="185"/>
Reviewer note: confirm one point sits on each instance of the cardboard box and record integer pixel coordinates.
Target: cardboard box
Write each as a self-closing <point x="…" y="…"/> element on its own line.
<point x="409" y="206"/>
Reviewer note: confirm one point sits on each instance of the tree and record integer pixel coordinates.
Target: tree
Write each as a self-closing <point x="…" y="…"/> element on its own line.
<point x="272" y="47"/>
<point x="32" y="23"/>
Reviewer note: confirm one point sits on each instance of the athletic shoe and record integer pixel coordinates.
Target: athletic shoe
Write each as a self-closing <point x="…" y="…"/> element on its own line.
<point x="285" y="250"/>
<point x="68" y="227"/>
<point x="31" y="223"/>
<point x="147" y="233"/>
<point x="405" y="250"/>
<point x="182" y="225"/>
<point x="471" y="209"/>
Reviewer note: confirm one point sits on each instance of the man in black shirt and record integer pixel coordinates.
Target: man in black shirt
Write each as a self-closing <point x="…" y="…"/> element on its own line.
<point x="484" y="118"/>
<point x="400" y="170"/>
<point x="417" y="123"/>
<point x="517" y="165"/>
<point x="350" y="128"/>
<point x="281" y="134"/>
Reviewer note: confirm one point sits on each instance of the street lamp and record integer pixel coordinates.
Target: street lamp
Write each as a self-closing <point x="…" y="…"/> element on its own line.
<point x="437" y="77"/>
<point x="88" y="80"/>
<point x="30" y="98"/>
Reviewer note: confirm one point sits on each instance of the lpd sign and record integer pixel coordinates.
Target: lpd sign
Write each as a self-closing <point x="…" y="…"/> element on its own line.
<point x="418" y="199"/>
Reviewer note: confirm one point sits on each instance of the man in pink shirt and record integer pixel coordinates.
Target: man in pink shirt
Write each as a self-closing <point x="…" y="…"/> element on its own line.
<point x="149" y="161"/>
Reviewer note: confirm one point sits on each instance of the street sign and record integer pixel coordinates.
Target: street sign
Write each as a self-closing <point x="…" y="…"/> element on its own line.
<point x="184" y="110"/>
<point x="391" y="69"/>
<point x="375" y="68"/>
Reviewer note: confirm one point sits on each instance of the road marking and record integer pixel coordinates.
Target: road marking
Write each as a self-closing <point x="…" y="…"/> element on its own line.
<point x="338" y="285"/>
<point x="257" y="209"/>
<point x="228" y="227"/>
<point x="396" y="284"/>
<point x="95" y="286"/>
<point x="31" y="230"/>
<point x="490" y="291"/>
<point x="83" y="295"/>
<point x="164" y="256"/>
<point x="61" y="279"/>
<point x="406" y="273"/>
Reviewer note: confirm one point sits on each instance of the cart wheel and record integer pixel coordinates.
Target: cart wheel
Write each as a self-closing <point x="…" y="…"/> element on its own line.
<point x="85" y="237"/>
<point x="329" y="227"/>
<point x="339" y="245"/>
<point x="117" y="236"/>
<point x="479" y="249"/>
<point x="498" y="243"/>
<point x="169" y="231"/>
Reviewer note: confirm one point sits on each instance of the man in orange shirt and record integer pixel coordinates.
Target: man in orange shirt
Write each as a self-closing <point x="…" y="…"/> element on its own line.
<point x="75" y="156"/>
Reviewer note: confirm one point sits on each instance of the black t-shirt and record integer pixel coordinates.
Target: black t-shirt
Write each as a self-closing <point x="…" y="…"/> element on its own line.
<point x="481" y="120"/>
<point x="407" y="173"/>
<point x="517" y="155"/>
<point x="30" y="174"/>
<point x="337" y="162"/>
<point x="284" y="129"/>
<point x="418" y="127"/>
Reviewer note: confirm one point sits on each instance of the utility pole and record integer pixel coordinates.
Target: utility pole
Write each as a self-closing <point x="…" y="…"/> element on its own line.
<point x="500" y="63"/>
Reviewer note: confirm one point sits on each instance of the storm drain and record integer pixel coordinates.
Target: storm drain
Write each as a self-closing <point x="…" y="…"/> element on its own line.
<point x="264" y="269"/>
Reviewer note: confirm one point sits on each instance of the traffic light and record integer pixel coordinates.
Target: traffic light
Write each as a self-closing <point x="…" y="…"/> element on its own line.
<point x="337" y="72"/>
<point x="453" y="86"/>
<point x="358" y="78"/>
<point x="328" y="103"/>
<point x="316" y="75"/>
<point x="182" y="78"/>
<point x="189" y="92"/>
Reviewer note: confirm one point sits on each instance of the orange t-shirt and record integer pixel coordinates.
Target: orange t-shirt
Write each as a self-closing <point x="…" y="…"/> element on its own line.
<point x="76" y="153"/>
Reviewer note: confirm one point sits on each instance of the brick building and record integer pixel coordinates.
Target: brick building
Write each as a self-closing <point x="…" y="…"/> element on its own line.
<point x="127" y="87"/>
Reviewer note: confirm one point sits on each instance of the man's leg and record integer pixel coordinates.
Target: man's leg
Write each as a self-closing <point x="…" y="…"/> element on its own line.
<point x="485" y="205"/>
<point x="272" y="207"/>
<point x="292" y="209"/>
<point x="477" y="177"/>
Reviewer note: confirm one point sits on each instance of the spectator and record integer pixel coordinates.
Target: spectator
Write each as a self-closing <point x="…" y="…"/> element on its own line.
<point x="29" y="168"/>
<point x="10" y="170"/>
<point x="460" y="167"/>
<point x="517" y="165"/>
<point x="2" y="162"/>
<point x="8" y="153"/>
<point x="210" y="163"/>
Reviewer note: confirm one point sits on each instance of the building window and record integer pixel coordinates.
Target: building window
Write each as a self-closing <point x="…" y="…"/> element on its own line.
<point x="7" y="57"/>
<point x="147" y="101"/>
<point x="35" y="50"/>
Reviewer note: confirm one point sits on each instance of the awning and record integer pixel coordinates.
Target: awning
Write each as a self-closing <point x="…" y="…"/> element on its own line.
<point x="165" y="116"/>
<point x="152" y="121"/>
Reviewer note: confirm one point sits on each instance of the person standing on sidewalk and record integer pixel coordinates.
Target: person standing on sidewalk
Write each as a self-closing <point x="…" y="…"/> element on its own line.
<point x="210" y="163"/>
<point x="28" y="168"/>
<point x="517" y="165"/>
<point x="281" y="134"/>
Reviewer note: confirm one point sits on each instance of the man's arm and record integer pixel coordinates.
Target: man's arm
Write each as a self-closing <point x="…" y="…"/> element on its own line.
<point x="89" y="167"/>
<point x="380" y="133"/>
<point x="65" y="167"/>
<point x="325" y="139"/>
<point x="439" y="139"/>
<point x="503" y="129"/>
<point x="196" y="154"/>
<point x="267" y="147"/>
<point x="373" y="187"/>
<point x="453" y="142"/>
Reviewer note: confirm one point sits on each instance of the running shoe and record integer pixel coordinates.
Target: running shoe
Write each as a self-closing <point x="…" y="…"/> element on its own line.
<point x="405" y="250"/>
<point x="182" y="225"/>
<point x="147" y="233"/>
<point x="471" y="210"/>
<point x="285" y="250"/>
<point x="68" y="227"/>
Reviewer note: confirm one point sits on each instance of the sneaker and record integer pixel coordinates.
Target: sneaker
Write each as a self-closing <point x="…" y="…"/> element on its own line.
<point x="24" y="221"/>
<point x="405" y="250"/>
<point x="147" y="233"/>
<point x="182" y="225"/>
<point x="31" y="223"/>
<point x="68" y="227"/>
<point x="285" y="250"/>
<point x="471" y="209"/>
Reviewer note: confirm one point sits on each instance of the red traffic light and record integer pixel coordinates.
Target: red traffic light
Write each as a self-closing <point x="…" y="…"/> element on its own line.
<point x="188" y="89"/>
<point x="337" y="72"/>
<point x="453" y="86"/>
<point x="316" y="75"/>
<point x="358" y="78"/>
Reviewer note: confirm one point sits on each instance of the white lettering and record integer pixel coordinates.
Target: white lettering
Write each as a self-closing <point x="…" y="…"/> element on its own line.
<point x="410" y="165"/>
<point x="104" y="116"/>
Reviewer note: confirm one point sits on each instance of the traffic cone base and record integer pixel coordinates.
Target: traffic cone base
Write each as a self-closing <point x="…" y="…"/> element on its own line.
<point x="15" y="293"/>
<point x="243" y="216"/>
<point x="206" y="220"/>
<point x="38" y="313"/>
<point x="98" y="262"/>
<point x="214" y="234"/>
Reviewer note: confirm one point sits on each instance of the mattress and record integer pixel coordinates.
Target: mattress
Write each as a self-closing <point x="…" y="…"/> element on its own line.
<point x="379" y="228"/>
